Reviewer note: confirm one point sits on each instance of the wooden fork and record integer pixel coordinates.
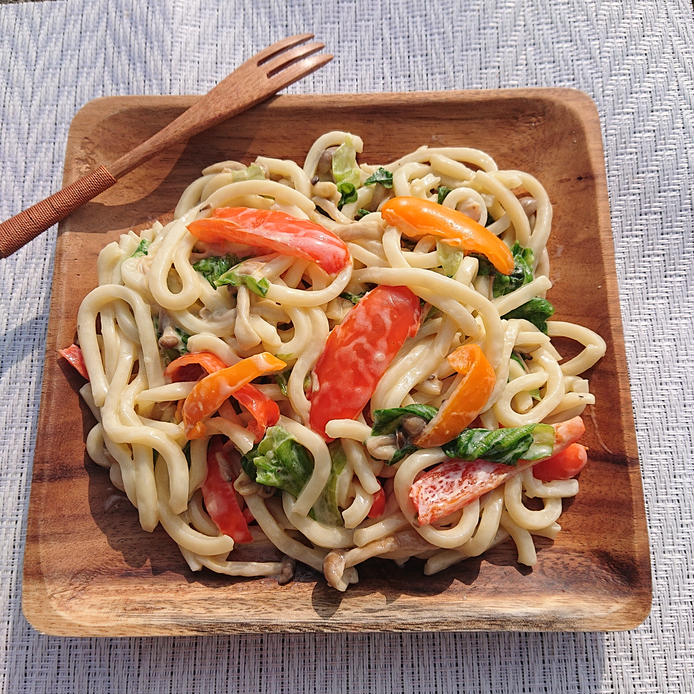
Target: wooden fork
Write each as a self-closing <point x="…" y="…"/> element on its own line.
<point x="255" y="80"/>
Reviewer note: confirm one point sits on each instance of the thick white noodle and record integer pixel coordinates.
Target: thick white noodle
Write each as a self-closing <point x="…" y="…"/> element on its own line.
<point x="153" y="299"/>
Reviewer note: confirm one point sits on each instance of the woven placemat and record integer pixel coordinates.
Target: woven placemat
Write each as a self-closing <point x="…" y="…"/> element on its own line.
<point x="633" y="58"/>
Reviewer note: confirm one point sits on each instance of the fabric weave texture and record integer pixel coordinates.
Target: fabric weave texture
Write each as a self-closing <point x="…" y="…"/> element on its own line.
<point x="633" y="58"/>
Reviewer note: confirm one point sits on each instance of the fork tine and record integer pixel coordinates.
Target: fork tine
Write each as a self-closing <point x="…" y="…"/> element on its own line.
<point x="271" y="51"/>
<point x="297" y="70"/>
<point x="287" y="58"/>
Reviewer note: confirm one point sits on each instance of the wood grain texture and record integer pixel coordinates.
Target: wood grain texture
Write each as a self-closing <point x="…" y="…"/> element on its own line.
<point x="90" y="570"/>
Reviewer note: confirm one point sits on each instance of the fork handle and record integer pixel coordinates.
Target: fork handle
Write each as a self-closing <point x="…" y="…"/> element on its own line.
<point x="27" y="225"/>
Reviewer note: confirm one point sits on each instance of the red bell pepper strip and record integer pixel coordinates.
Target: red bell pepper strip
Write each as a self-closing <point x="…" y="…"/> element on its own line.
<point x="209" y="393"/>
<point x="276" y="231"/>
<point x="264" y="411"/>
<point x="358" y="351"/>
<point x="378" y="505"/>
<point x="184" y="368"/>
<point x="220" y="496"/>
<point x="73" y="355"/>
<point x="450" y="486"/>
<point x="563" y="465"/>
<point x="417" y="217"/>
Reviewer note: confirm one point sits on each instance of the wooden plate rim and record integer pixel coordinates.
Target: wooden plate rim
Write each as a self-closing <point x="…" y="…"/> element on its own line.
<point x="36" y="597"/>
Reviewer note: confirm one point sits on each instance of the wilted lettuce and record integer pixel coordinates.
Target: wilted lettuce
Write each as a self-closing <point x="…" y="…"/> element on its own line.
<point x="507" y="446"/>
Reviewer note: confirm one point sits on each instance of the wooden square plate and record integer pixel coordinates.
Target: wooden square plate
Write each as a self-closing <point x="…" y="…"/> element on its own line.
<point x="90" y="570"/>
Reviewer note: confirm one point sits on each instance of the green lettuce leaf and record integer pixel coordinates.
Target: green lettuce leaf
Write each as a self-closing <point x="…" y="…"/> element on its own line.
<point x="326" y="510"/>
<point x="142" y="248"/>
<point x="449" y="257"/>
<point x="348" y="193"/>
<point x="354" y="298"/>
<point x="517" y="357"/>
<point x="361" y="212"/>
<point x="485" y="267"/>
<point x="281" y="379"/>
<point x="543" y="443"/>
<point x="402" y="453"/>
<point x="237" y="279"/>
<point x="344" y="164"/>
<point x="215" y="266"/>
<point x="537" y="311"/>
<point x="279" y="460"/>
<point x="387" y="421"/>
<point x="254" y="172"/>
<point x="442" y="192"/>
<point x="382" y="176"/>
<point x="521" y="274"/>
<point x="507" y="446"/>
<point x="171" y="353"/>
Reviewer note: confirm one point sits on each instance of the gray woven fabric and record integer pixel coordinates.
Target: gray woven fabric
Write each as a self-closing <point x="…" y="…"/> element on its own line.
<point x="634" y="59"/>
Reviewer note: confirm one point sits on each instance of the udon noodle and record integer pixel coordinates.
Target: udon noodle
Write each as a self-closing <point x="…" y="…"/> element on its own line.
<point x="156" y="301"/>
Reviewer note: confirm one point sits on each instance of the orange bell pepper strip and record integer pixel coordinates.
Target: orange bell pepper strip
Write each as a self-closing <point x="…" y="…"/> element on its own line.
<point x="563" y="465"/>
<point x="417" y="217"/>
<point x="209" y="393"/>
<point x="73" y="355"/>
<point x="466" y="401"/>
<point x="264" y="411"/>
<point x="276" y="231"/>
<point x="450" y="486"/>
